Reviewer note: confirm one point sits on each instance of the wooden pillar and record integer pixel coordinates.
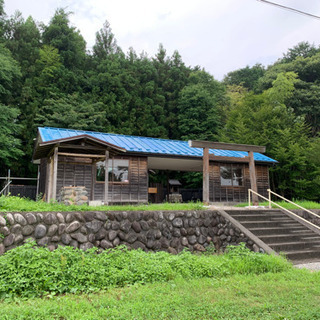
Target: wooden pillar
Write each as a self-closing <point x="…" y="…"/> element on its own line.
<point x="106" y="178"/>
<point x="253" y="178"/>
<point x="54" y="173"/>
<point x="38" y="181"/>
<point x="93" y="178"/>
<point x="205" y="191"/>
<point x="49" y="179"/>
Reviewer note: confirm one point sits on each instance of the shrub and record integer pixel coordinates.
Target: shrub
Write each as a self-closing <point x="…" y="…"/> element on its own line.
<point x="30" y="271"/>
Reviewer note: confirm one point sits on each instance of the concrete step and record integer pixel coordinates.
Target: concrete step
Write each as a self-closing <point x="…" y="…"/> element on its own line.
<point x="299" y="255"/>
<point x="269" y="224"/>
<point x="256" y="211"/>
<point x="278" y="230"/>
<point x="293" y="245"/>
<point x="261" y="217"/>
<point x="278" y="238"/>
<point x="281" y="233"/>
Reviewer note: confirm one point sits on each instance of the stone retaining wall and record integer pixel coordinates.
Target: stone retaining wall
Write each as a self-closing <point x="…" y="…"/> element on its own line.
<point x="170" y="231"/>
<point x="306" y="215"/>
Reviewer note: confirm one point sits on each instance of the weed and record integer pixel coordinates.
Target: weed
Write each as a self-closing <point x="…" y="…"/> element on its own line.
<point x="21" y="204"/>
<point x="30" y="271"/>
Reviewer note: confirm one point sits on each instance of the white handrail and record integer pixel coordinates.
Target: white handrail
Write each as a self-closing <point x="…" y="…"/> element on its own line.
<point x="292" y="213"/>
<point x="283" y="198"/>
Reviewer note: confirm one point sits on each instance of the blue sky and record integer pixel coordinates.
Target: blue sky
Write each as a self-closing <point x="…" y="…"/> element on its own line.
<point x="220" y="36"/>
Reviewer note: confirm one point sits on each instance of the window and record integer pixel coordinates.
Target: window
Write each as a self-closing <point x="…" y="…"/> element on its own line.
<point x="231" y="175"/>
<point x="118" y="170"/>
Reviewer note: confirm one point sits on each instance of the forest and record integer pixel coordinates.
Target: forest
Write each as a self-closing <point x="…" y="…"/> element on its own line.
<point x="49" y="78"/>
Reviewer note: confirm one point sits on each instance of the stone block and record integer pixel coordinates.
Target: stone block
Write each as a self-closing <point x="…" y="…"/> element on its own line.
<point x="74" y="226"/>
<point x="3" y="221"/>
<point x="31" y="218"/>
<point x="27" y="230"/>
<point x="40" y="231"/>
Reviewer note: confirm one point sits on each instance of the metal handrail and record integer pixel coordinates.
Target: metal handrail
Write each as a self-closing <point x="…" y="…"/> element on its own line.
<point x="5" y="187"/>
<point x="297" y="205"/>
<point x="282" y="208"/>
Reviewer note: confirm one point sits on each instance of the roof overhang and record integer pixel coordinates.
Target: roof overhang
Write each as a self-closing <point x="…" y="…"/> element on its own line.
<point x="226" y="146"/>
<point x="44" y="148"/>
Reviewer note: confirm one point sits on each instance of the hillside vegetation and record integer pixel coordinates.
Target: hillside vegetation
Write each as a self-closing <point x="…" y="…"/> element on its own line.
<point x="48" y="78"/>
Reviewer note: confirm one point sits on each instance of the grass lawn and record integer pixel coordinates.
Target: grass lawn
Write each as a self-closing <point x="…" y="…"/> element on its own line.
<point x="16" y="204"/>
<point x="132" y="284"/>
<point x="305" y="204"/>
<point x="294" y="294"/>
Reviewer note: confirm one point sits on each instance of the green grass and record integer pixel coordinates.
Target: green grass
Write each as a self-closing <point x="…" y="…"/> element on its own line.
<point x="294" y="294"/>
<point x="29" y="271"/>
<point x="17" y="204"/>
<point x="124" y="284"/>
<point x="305" y="204"/>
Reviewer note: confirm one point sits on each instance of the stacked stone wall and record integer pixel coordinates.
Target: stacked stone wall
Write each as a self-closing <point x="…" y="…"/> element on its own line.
<point x="73" y="195"/>
<point x="170" y="231"/>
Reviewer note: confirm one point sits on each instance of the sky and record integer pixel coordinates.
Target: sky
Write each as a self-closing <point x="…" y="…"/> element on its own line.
<point x="218" y="35"/>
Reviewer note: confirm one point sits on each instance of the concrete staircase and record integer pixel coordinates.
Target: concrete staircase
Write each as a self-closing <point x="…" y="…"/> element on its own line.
<point x="281" y="233"/>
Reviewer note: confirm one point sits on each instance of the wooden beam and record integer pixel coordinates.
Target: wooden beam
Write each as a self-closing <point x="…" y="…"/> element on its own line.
<point x="253" y="178"/>
<point x="205" y="191"/>
<point x="81" y="155"/>
<point x="74" y="146"/>
<point x="226" y="146"/>
<point x="54" y="173"/>
<point x="212" y="157"/>
<point x="106" y="178"/>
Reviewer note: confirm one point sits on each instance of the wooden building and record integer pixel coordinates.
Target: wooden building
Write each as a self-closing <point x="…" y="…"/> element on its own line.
<point x="114" y="168"/>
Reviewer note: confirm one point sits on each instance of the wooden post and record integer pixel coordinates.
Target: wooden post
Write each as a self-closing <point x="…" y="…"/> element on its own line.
<point x="205" y="191"/>
<point x="48" y="185"/>
<point x="54" y="173"/>
<point x="106" y="178"/>
<point x="227" y="146"/>
<point x="38" y="180"/>
<point x="93" y="178"/>
<point x="253" y="178"/>
<point x="9" y="177"/>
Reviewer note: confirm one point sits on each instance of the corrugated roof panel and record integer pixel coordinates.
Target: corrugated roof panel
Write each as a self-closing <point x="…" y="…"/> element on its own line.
<point x="145" y="144"/>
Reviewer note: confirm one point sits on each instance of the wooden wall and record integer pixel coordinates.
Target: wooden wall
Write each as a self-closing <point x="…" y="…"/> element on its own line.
<point x="81" y="172"/>
<point x="43" y="174"/>
<point x="218" y="193"/>
<point x="134" y="191"/>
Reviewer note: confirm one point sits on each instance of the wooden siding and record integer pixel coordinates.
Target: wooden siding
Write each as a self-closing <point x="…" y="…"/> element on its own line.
<point x="136" y="190"/>
<point x="81" y="172"/>
<point x="218" y="193"/>
<point x="43" y="175"/>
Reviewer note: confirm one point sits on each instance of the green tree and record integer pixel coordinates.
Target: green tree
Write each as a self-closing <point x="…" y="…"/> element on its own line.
<point x="66" y="39"/>
<point x="9" y="143"/>
<point x="72" y="111"/>
<point x="264" y="119"/>
<point x="302" y="49"/>
<point x="306" y="64"/>
<point x="105" y="42"/>
<point x="198" y="107"/>
<point x="22" y="38"/>
<point x="9" y="75"/>
<point x="247" y="77"/>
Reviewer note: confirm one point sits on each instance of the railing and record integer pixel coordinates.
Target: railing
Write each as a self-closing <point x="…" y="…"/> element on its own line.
<point x="5" y="187"/>
<point x="282" y="208"/>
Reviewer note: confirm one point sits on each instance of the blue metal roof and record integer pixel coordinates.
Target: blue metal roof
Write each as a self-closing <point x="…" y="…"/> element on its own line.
<point x="145" y="144"/>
